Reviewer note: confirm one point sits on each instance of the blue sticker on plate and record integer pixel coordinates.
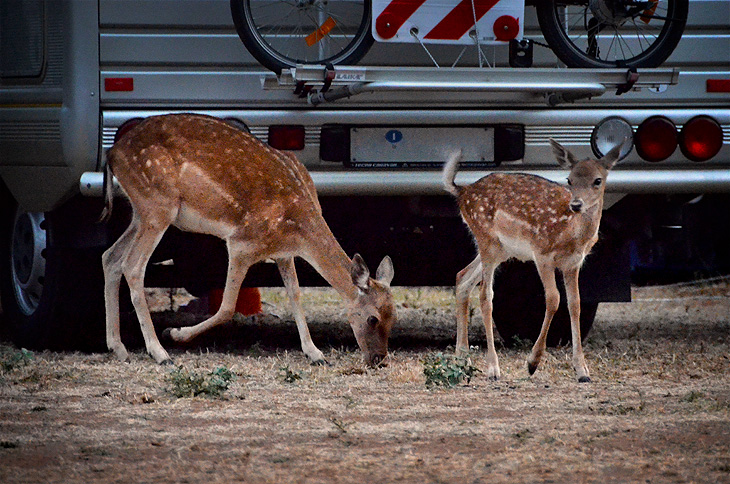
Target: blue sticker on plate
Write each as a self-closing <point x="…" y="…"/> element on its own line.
<point x="393" y="136"/>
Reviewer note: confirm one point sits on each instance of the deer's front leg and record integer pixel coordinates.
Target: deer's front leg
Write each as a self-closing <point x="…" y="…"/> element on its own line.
<point x="239" y="260"/>
<point x="573" y="296"/>
<point x="466" y="280"/>
<point x="289" y="276"/>
<point x="552" y="301"/>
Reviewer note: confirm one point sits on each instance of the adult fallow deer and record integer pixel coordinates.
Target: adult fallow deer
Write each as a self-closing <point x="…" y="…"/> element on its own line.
<point x="530" y="218"/>
<point x="203" y="175"/>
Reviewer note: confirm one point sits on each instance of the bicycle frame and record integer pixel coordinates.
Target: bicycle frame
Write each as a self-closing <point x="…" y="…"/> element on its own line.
<point x="464" y="22"/>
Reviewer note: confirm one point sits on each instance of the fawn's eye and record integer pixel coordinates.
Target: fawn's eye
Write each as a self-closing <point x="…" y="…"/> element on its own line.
<point x="373" y="321"/>
<point x="597" y="182"/>
<point x="569" y="182"/>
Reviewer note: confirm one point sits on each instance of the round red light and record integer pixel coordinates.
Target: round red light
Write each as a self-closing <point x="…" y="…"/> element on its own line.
<point x="506" y="28"/>
<point x="656" y="138"/>
<point x="700" y="138"/>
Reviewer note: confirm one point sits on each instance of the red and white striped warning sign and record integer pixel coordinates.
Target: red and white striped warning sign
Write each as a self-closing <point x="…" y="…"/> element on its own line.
<point x="447" y="21"/>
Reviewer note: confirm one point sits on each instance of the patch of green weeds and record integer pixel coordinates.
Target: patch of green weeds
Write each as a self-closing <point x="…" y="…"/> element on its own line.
<point x="522" y="435"/>
<point x="186" y="383"/>
<point x="693" y="397"/>
<point x="10" y="358"/>
<point x="287" y="375"/>
<point x="448" y="370"/>
<point x="521" y="344"/>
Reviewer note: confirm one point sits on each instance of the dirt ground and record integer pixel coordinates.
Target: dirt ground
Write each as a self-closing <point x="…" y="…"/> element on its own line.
<point x="657" y="410"/>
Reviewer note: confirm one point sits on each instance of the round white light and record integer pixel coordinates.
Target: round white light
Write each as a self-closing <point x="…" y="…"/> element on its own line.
<point x="612" y="132"/>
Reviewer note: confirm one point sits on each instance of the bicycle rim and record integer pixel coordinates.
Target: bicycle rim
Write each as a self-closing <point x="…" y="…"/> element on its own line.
<point x="290" y="32"/>
<point x="613" y="33"/>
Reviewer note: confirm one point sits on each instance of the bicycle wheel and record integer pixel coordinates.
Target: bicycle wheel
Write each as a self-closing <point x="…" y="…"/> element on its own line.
<point x="612" y="33"/>
<point x="283" y="33"/>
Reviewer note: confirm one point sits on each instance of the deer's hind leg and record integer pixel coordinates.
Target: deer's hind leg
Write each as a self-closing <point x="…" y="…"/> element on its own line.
<point x="134" y="265"/>
<point x="112" y="260"/>
<point x="486" y="295"/>
<point x="466" y="280"/>
<point x="291" y="282"/>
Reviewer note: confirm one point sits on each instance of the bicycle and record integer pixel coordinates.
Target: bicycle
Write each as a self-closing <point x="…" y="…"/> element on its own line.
<point x="582" y="33"/>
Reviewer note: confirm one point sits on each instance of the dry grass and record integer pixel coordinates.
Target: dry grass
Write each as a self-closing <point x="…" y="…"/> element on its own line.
<point x="658" y="409"/>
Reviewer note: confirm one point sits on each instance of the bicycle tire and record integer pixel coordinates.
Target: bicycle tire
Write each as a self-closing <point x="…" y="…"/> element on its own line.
<point x="644" y="38"/>
<point x="313" y="32"/>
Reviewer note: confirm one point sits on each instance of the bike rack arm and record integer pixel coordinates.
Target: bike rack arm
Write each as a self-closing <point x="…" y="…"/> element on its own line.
<point x="556" y="85"/>
<point x="560" y="92"/>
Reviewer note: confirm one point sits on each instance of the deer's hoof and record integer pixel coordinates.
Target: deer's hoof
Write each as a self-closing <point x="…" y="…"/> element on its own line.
<point x="531" y="368"/>
<point x="167" y="335"/>
<point x="321" y="362"/>
<point x="584" y="379"/>
<point x="121" y="354"/>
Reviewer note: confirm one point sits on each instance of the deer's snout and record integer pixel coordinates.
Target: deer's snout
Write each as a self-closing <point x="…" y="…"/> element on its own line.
<point x="576" y="205"/>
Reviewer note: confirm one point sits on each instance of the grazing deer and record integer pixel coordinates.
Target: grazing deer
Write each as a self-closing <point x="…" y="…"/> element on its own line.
<point x="530" y="218"/>
<point x="203" y="175"/>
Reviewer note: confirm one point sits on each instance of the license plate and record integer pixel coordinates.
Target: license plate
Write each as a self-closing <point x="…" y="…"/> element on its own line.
<point x="420" y="147"/>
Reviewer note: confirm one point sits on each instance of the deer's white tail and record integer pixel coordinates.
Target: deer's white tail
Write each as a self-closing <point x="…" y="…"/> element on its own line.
<point x="449" y="173"/>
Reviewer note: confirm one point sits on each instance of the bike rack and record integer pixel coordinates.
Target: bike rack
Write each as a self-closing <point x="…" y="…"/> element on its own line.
<point x="321" y="84"/>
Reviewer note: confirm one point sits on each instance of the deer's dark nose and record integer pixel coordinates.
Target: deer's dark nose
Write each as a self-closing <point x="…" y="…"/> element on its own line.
<point x="576" y="205"/>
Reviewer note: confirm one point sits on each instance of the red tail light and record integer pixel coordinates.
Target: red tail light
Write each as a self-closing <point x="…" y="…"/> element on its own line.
<point x="286" y="137"/>
<point x="125" y="127"/>
<point x="700" y="138"/>
<point x="656" y="138"/>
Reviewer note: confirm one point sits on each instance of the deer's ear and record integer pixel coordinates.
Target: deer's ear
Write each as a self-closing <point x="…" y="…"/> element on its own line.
<point x="611" y="158"/>
<point x="385" y="271"/>
<point x="360" y="273"/>
<point x="565" y="158"/>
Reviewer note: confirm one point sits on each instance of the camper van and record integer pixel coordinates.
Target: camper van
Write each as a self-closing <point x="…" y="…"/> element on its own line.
<point x="76" y="74"/>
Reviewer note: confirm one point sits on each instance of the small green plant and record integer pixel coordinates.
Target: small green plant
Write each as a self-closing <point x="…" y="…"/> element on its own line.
<point x="186" y="383"/>
<point x="288" y="375"/>
<point x="521" y="343"/>
<point x="448" y="370"/>
<point x="11" y="358"/>
<point x="693" y="397"/>
<point x="340" y="424"/>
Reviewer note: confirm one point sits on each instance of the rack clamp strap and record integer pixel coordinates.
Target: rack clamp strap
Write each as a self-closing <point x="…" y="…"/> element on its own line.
<point x="631" y="77"/>
<point x="329" y="76"/>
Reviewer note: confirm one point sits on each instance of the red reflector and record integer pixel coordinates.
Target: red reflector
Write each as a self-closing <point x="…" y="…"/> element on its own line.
<point x="116" y="84"/>
<point x="656" y="138"/>
<point x="701" y="138"/>
<point x="287" y="137"/>
<point x="718" y="85"/>
<point x="506" y="28"/>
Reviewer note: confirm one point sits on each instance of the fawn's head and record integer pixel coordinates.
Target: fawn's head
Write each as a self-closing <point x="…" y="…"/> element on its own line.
<point x="587" y="178"/>
<point x="372" y="314"/>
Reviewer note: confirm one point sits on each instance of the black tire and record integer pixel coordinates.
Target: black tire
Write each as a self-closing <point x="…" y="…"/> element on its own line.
<point x="348" y="43"/>
<point x="519" y="308"/>
<point x="635" y="37"/>
<point x="52" y="297"/>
